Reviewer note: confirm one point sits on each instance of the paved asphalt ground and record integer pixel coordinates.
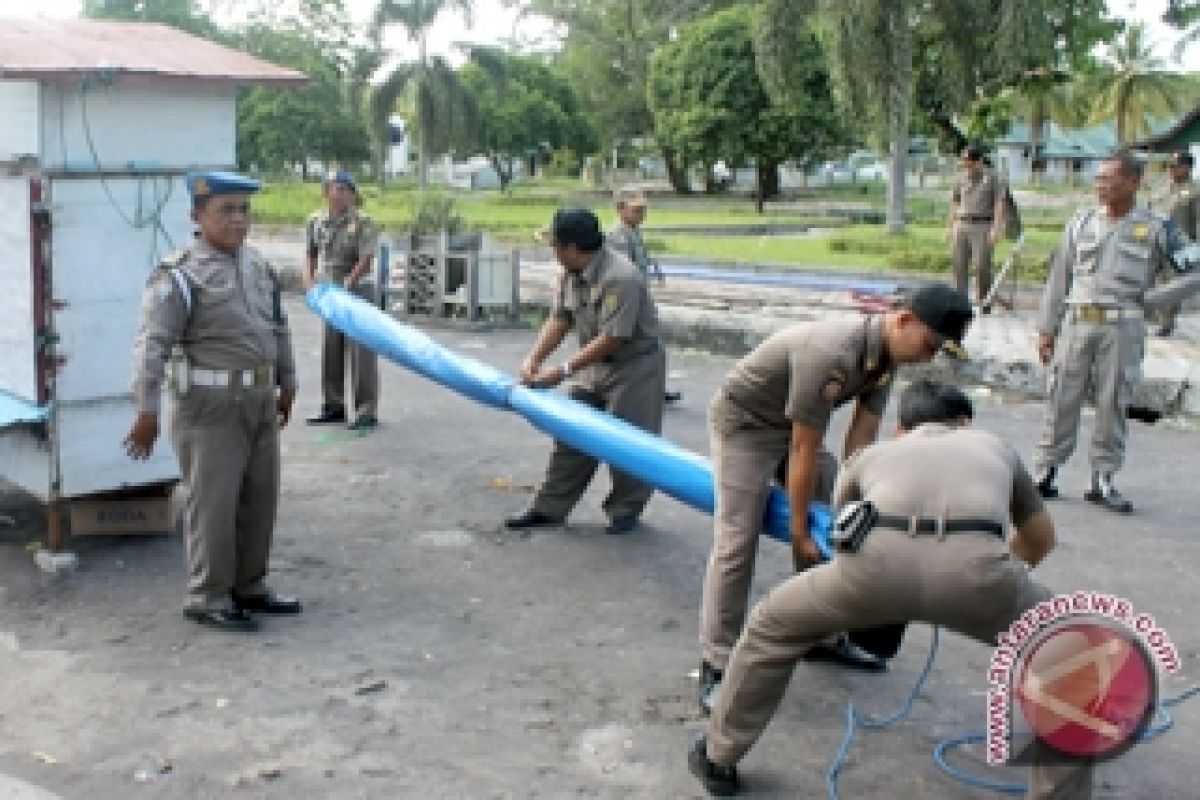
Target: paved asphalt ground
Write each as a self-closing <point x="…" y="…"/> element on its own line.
<point x="441" y="657"/>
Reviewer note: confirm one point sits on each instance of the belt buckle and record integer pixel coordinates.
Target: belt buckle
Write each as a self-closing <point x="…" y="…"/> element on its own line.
<point x="1091" y="314"/>
<point x="262" y="376"/>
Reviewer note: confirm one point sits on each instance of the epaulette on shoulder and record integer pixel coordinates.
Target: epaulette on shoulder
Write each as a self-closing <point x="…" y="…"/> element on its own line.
<point x="174" y="259"/>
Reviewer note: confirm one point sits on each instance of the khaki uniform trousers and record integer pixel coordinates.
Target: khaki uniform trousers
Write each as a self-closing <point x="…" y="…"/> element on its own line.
<point x="364" y="371"/>
<point x="744" y="464"/>
<point x="227" y="441"/>
<point x="966" y="582"/>
<point x="1111" y="354"/>
<point x="632" y="391"/>
<point x="969" y="247"/>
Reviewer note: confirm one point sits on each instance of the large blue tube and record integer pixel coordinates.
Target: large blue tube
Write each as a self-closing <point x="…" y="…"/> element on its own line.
<point x="672" y="470"/>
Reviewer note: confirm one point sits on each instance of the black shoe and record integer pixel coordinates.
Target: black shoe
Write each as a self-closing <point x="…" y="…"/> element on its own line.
<point x="531" y="519"/>
<point x="618" y="526"/>
<point x="848" y="654"/>
<point x="269" y="603"/>
<point x="364" y="422"/>
<point x="672" y="397"/>
<point x="1165" y="331"/>
<point x="710" y="683"/>
<point x="1105" y="494"/>
<point x="1045" y="483"/>
<point x="225" y="619"/>
<point x="718" y="781"/>
<point x="328" y="416"/>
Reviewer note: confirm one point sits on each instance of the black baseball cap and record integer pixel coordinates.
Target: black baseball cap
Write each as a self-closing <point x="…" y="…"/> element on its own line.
<point x="945" y="310"/>
<point x="576" y="226"/>
<point x="1183" y="158"/>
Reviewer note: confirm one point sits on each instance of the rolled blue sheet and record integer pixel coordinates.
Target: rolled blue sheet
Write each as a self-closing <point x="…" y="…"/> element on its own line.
<point x="677" y="472"/>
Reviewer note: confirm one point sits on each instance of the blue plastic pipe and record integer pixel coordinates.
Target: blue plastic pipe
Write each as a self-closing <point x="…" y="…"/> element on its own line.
<point x="677" y="472"/>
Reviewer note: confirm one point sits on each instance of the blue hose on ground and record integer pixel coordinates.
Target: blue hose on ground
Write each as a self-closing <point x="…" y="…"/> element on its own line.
<point x="854" y="720"/>
<point x="677" y="472"/>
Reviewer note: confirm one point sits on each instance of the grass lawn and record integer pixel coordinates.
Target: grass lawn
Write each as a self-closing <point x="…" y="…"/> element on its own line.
<point x="529" y="208"/>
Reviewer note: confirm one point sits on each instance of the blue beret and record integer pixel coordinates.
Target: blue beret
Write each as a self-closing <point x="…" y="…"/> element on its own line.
<point x="211" y="184"/>
<point x="343" y="177"/>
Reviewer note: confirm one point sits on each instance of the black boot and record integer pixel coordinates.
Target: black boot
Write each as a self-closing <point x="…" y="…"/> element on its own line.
<point x="1105" y="494"/>
<point x="718" y="781"/>
<point x="1045" y="483"/>
<point x="329" y="414"/>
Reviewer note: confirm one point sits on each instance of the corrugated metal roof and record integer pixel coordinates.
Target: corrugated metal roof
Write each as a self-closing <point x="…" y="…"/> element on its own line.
<point x="57" y="50"/>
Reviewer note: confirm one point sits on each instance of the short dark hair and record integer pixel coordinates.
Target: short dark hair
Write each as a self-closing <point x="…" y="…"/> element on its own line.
<point x="973" y="152"/>
<point x="1183" y="158"/>
<point x="1131" y="165"/>
<point x="199" y="201"/>
<point x="926" y="400"/>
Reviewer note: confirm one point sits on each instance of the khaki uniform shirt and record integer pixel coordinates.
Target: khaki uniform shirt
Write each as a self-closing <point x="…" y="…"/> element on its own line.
<point x="229" y="319"/>
<point x="629" y="243"/>
<point x="1180" y="202"/>
<point x="609" y="297"/>
<point x="803" y="372"/>
<point x="339" y="242"/>
<point x="1105" y="262"/>
<point x="977" y="197"/>
<point x="943" y="472"/>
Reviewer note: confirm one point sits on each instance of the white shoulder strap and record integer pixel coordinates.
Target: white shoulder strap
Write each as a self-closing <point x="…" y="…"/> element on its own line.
<point x="185" y="289"/>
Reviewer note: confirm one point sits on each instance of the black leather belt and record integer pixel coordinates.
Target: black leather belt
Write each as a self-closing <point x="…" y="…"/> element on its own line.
<point x="931" y="526"/>
<point x="623" y="356"/>
<point x="975" y="219"/>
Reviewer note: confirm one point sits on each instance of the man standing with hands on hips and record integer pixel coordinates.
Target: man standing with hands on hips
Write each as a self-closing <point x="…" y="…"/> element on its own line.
<point x="212" y="318"/>
<point x="341" y="242"/>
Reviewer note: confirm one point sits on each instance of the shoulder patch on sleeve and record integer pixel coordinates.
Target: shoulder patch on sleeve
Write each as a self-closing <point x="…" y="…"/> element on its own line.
<point x="834" y="385"/>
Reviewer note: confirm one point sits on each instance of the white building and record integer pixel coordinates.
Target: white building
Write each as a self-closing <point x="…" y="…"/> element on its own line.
<point x="99" y="122"/>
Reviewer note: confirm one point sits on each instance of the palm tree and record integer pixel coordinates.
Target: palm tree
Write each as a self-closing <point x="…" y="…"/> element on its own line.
<point x="438" y="98"/>
<point x="1139" y="89"/>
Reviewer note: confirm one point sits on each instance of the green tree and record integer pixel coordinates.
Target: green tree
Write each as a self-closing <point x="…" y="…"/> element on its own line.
<point x="606" y="55"/>
<point x="444" y="109"/>
<point x="186" y="15"/>
<point x="948" y="55"/>
<point x="525" y="108"/>
<point x="709" y="101"/>
<point x="1138" y="89"/>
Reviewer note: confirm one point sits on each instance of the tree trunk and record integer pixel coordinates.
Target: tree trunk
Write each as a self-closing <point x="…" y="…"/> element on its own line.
<point x="899" y="110"/>
<point x="676" y="173"/>
<point x="422" y="151"/>
<point x="1037" y="133"/>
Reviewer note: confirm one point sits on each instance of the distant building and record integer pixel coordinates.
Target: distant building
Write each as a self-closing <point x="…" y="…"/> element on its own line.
<point x="1069" y="155"/>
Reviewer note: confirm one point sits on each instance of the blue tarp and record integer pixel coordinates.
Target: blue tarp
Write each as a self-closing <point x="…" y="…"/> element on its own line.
<point x="14" y="411"/>
<point x="672" y="470"/>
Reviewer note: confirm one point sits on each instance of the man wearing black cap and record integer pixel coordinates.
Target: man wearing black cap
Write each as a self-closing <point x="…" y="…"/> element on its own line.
<point x="943" y="495"/>
<point x="1181" y="204"/>
<point x="619" y="368"/>
<point x="773" y="409"/>
<point x="341" y="242"/>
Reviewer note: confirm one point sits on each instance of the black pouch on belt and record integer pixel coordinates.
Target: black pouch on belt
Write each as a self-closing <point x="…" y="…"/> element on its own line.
<point x="854" y="521"/>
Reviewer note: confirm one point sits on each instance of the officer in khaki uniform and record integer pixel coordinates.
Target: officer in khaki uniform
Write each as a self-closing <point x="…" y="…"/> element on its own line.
<point x="212" y="314"/>
<point x="1179" y="202"/>
<point x="976" y="222"/>
<point x="1092" y="321"/>
<point x="341" y="242"/>
<point x="619" y="368"/>
<point x="936" y="554"/>
<point x="625" y="237"/>
<point x="775" y="406"/>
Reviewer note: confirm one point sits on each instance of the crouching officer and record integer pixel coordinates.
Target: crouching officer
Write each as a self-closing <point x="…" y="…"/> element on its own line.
<point x="776" y="405"/>
<point x="620" y="367"/>
<point x="212" y="314"/>
<point x="944" y="494"/>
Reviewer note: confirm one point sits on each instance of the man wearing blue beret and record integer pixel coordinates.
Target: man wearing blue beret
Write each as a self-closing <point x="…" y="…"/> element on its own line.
<point x="213" y="327"/>
<point x="340" y="243"/>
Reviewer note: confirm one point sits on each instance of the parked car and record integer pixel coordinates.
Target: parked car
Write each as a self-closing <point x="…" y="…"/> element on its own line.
<point x="834" y="172"/>
<point x="874" y="171"/>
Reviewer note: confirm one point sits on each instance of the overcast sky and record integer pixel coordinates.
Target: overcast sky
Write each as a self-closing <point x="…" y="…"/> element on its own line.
<point x="493" y="22"/>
